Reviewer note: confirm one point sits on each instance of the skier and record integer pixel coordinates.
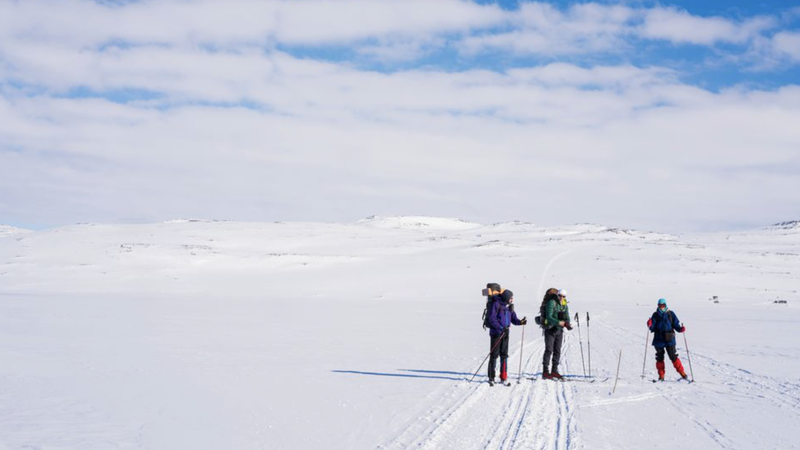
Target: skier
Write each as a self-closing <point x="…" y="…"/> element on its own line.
<point x="663" y="324"/>
<point x="555" y="317"/>
<point x="501" y="316"/>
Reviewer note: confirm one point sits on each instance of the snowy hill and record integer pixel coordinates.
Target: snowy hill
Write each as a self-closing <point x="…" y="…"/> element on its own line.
<point x="217" y="334"/>
<point x="6" y="230"/>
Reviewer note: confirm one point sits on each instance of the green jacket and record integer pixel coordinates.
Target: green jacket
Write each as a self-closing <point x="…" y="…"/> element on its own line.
<point x="551" y="314"/>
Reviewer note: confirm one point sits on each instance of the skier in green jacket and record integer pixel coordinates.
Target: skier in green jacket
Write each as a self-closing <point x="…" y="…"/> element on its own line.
<point x="554" y="320"/>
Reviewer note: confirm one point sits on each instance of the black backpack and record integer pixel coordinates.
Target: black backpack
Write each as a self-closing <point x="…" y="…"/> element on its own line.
<point x="489" y="301"/>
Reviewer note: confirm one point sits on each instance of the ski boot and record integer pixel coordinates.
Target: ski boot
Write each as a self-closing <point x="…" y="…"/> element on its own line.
<point x="546" y="372"/>
<point x="555" y="375"/>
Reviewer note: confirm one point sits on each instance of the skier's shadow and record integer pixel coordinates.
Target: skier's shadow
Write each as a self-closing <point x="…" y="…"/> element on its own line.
<point x="414" y="373"/>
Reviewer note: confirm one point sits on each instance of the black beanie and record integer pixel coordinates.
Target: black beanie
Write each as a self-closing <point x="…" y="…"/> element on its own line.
<point x="507" y="295"/>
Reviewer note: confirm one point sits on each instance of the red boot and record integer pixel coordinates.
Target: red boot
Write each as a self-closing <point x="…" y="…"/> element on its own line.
<point x="679" y="367"/>
<point x="661" y="370"/>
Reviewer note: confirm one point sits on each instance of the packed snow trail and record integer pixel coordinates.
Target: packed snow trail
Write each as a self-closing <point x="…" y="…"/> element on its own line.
<point x="535" y="414"/>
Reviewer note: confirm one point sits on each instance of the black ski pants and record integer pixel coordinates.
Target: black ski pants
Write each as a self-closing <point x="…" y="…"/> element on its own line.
<point x="553" y="337"/>
<point x="673" y="355"/>
<point x="498" y="347"/>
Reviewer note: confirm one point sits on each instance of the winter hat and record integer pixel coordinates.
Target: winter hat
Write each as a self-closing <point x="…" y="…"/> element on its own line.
<point x="662" y="301"/>
<point x="507" y="296"/>
<point x="562" y="292"/>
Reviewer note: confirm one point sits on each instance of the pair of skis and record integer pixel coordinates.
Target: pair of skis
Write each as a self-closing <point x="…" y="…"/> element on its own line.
<point x="687" y="380"/>
<point x="573" y="380"/>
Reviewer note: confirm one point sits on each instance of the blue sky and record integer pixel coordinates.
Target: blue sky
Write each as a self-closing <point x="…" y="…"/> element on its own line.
<point x="667" y="116"/>
<point x="710" y="66"/>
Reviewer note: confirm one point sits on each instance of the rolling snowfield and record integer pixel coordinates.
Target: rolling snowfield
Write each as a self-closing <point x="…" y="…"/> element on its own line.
<point x="227" y="335"/>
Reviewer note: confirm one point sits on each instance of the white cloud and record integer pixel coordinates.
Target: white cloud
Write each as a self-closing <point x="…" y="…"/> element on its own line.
<point x="389" y="30"/>
<point x="85" y="23"/>
<point x="787" y="44"/>
<point x="591" y="28"/>
<point x="334" y="142"/>
<point x="395" y="50"/>
<point x="622" y="77"/>
<point x="681" y="27"/>
<point x="540" y="28"/>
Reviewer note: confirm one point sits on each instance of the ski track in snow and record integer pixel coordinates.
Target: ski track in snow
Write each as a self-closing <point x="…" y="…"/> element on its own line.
<point x="722" y="379"/>
<point x="709" y="428"/>
<point x="535" y="414"/>
<point x="734" y="379"/>
<point x="502" y="417"/>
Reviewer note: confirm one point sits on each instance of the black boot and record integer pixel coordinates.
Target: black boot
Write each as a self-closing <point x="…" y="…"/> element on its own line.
<point x="554" y="374"/>
<point x="545" y="372"/>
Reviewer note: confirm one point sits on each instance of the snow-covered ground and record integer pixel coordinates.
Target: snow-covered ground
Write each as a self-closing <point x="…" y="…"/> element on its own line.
<point x="210" y="335"/>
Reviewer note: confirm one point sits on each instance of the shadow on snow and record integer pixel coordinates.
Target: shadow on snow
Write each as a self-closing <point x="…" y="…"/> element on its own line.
<point x="425" y="374"/>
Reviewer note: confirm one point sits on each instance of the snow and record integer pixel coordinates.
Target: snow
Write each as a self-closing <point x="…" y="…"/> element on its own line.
<point x="7" y="230"/>
<point x="217" y="334"/>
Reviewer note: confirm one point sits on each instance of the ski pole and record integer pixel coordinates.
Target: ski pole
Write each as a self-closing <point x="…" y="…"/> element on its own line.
<point x="588" y="344"/>
<point x="617" y="378"/>
<point x="688" y="355"/>
<point x="521" y="346"/>
<point x="646" y="341"/>
<point x="583" y="363"/>
<point x="487" y="356"/>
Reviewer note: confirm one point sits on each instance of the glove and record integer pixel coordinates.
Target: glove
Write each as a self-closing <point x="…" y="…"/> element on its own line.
<point x="524" y="321"/>
<point x="568" y="326"/>
<point x="649" y="322"/>
<point x="681" y="329"/>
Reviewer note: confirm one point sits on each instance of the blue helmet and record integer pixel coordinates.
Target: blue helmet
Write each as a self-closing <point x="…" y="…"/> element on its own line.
<point x="662" y="301"/>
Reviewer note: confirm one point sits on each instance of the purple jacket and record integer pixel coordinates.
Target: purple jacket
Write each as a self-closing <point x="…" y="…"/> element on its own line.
<point x="501" y="317"/>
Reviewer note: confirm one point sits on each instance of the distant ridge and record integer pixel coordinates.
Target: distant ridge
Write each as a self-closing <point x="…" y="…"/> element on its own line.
<point x="419" y="223"/>
<point x="515" y="225"/>
<point x="790" y="225"/>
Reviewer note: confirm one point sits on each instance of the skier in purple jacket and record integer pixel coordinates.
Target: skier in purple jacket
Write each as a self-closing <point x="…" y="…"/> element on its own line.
<point x="500" y="317"/>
